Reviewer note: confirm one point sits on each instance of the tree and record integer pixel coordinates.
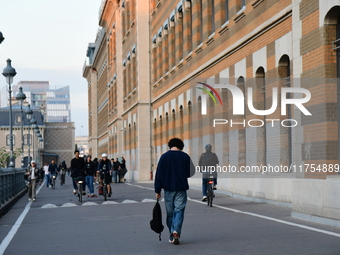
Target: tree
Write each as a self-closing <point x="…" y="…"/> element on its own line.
<point x="4" y="156"/>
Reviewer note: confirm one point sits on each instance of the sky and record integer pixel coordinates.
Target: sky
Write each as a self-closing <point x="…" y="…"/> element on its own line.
<point x="47" y="41"/>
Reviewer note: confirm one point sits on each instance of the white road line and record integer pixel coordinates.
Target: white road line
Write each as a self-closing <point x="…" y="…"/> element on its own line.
<point x="271" y="219"/>
<point x="6" y="241"/>
<point x="260" y="216"/>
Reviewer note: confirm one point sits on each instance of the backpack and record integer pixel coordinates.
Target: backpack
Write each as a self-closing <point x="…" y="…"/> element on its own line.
<point x="156" y="222"/>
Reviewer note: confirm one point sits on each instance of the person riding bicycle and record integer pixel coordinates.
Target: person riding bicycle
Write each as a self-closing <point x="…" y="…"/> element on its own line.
<point x="77" y="170"/>
<point x="62" y="170"/>
<point x="105" y="170"/>
<point x="53" y="169"/>
<point x="208" y="162"/>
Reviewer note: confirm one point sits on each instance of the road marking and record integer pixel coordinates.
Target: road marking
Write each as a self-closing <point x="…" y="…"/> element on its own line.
<point x="69" y="205"/>
<point x="258" y="216"/>
<point x="146" y="200"/>
<point x="49" y="206"/>
<point x="127" y="201"/>
<point x="89" y="203"/>
<point x="109" y="203"/>
<point x="271" y="219"/>
<point x="7" y="240"/>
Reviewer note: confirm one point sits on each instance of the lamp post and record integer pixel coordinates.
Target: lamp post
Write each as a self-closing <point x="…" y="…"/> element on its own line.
<point x="37" y="133"/>
<point x="33" y="122"/>
<point x="29" y="114"/>
<point x="1" y="38"/>
<point x="35" y="130"/>
<point x="9" y="72"/>
<point x="21" y="96"/>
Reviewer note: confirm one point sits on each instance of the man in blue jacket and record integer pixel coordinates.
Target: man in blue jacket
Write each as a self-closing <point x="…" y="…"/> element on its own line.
<point x="173" y="170"/>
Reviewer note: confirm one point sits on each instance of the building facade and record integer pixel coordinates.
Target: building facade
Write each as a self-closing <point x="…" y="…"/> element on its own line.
<point x="263" y="49"/>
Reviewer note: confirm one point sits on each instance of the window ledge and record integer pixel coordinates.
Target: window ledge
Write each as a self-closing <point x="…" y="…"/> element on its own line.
<point x="255" y="3"/>
<point x="240" y="14"/>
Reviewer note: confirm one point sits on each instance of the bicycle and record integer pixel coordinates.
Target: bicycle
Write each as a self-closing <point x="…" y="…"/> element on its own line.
<point x="62" y="177"/>
<point x="53" y="181"/>
<point x="80" y="181"/>
<point x="210" y="190"/>
<point x="104" y="185"/>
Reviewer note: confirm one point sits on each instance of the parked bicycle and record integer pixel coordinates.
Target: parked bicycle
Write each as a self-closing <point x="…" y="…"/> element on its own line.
<point x="210" y="190"/>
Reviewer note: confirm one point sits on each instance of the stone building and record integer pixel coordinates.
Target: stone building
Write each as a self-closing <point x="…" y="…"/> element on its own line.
<point x="143" y="93"/>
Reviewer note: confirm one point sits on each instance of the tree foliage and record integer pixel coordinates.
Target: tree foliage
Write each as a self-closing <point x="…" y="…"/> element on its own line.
<point x="5" y="154"/>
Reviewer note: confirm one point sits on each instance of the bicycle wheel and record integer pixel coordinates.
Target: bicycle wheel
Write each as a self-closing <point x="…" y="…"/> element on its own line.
<point x="210" y="195"/>
<point x="80" y="194"/>
<point x="53" y="184"/>
<point x="105" y="192"/>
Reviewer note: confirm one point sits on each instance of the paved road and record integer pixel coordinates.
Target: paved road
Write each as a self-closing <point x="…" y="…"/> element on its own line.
<point x="57" y="224"/>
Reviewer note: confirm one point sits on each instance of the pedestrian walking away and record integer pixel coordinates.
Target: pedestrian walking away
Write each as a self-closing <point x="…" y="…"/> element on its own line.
<point x="90" y="171"/>
<point x="173" y="170"/>
<point x="32" y="173"/>
<point x="122" y="170"/>
<point x="62" y="170"/>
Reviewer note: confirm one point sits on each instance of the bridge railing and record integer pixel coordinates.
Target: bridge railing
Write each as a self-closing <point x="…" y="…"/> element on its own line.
<point x="12" y="184"/>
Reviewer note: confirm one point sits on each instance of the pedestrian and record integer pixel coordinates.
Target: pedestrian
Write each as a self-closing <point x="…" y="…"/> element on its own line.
<point x="32" y="173"/>
<point x="53" y="169"/>
<point x="207" y="162"/>
<point x="115" y="172"/>
<point x="173" y="170"/>
<point x="47" y="175"/>
<point x="122" y="170"/>
<point x="90" y="171"/>
<point x="77" y="170"/>
<point x="95" y="161"/>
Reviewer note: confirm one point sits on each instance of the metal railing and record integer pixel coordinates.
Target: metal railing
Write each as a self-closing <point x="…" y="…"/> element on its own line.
<point x="12" y="184"/>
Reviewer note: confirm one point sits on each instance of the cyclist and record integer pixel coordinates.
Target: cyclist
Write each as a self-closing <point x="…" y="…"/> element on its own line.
<point x="104" y="168"/>
<point x="207" y="159"/>
<point x="62" y="170"/>
<point x="77" y="169"/>
<point x="53" y="169"/>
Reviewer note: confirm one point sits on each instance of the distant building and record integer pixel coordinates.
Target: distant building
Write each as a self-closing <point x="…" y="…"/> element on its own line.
<point x="54" y="101"/>
<point x="82" y="144"/>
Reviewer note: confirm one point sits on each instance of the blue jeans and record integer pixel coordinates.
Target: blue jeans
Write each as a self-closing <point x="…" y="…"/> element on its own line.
<point x="204" y="185"/>
<point x="89" y="183"/>
<point x="175" y="202"/>
<point x="114" y="176"/>
<point x="48" y="179"/>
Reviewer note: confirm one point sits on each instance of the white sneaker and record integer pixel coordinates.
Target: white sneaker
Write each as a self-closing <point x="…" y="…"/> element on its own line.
<point x="29" y="200"/>
<point x="33" y="199"/>
<point x="204" y="198"/>
<point x="74" y="191"/>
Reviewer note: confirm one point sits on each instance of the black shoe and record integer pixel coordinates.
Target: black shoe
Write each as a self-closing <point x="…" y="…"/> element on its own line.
<point x="109" y="195"/>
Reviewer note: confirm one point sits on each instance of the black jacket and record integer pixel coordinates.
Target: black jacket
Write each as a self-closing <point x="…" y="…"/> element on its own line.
<point x="90" y="168"/>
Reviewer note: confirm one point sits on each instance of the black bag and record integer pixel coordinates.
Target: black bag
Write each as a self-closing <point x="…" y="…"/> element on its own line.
<point x="156" y="222"/>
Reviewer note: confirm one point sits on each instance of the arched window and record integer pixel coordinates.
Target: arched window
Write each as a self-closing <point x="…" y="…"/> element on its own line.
<point x="284" y="74"/>
<point x="8" y="140"/>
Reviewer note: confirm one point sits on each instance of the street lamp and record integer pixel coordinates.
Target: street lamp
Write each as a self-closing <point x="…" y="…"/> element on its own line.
<point x="21" y="96"/>
<point x="9" y="72"/>
<point x="33" y="122"/>
<point x="35" y="130"/>
<point x="1" y="38"/>
<point x="29" y="114"/>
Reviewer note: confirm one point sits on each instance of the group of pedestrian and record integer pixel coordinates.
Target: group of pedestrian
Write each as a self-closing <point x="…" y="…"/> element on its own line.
<point x="101" y="170"/>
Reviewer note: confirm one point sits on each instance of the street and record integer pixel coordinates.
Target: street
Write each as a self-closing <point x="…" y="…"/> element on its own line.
<point x="58" y="224"/>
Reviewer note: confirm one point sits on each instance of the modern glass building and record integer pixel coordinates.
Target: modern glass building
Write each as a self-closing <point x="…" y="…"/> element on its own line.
<point x="54" y="101"/>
